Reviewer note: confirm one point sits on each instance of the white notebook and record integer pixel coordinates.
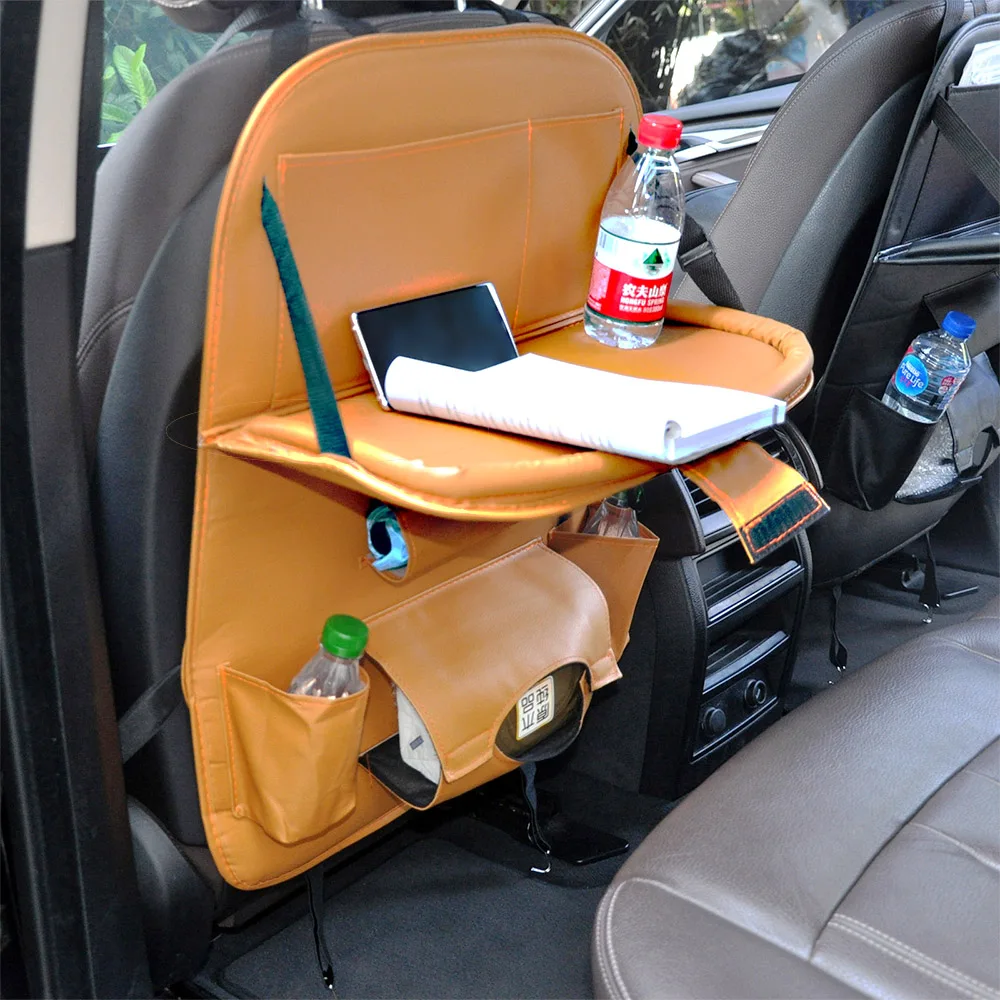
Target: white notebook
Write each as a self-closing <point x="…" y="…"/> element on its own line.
<point x="669" y="422"/>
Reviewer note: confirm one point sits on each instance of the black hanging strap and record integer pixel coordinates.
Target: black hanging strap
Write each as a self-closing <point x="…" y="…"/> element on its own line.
<point x="978" y="158"/>
<point x="838" y="651"/>
<point x="954" y="12"/>
<point x="317" y="907"/>
<point x="146" y="715"/>
<point x="696" y="255"/>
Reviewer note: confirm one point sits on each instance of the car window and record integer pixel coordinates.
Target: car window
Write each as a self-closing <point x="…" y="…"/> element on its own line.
<point x="143" y="51"/>
<point x="683" y="52"/>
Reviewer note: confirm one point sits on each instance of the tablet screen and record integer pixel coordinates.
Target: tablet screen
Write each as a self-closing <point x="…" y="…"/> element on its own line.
<point x="464" y="328"/>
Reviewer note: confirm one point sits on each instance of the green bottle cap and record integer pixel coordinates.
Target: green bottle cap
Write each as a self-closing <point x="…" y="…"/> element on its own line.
<point x="344" y="636"/>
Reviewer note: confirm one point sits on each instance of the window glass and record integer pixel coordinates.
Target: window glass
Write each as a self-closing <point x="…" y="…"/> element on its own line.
<point x="143" y="51"/>
<point x="683" y="52"/>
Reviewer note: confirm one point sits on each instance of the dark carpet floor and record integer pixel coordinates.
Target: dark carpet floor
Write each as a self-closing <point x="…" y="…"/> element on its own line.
<point x="435" y="921"/>
<point x="874" y="618"/>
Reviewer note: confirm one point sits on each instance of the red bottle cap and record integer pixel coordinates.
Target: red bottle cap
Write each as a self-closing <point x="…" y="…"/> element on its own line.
<point x="660" y="131"/>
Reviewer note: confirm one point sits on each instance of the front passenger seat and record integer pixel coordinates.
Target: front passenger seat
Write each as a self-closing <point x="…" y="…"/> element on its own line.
<point x="795" y="235"/>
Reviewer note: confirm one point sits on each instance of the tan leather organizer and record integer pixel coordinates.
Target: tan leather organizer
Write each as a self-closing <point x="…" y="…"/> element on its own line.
<point x="494" y="169"/>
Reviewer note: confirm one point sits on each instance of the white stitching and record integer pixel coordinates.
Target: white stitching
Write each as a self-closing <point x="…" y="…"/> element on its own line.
<point x="915" y="952"/>
<point x="902" y="959"/>
<point x="983" y="859"/>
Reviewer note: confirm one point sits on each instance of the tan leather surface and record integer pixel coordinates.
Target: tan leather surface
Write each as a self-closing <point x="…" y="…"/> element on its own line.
<point x="494" y="169"/>
<point x="851" y="850"/>
<point x="464" y="651"/>
<point x="748" y="484"/>
<point x="617" y="565"/>
<point x="286" y="746"/>
<point x="483" y="209"/>
<point x="458" y="471"/>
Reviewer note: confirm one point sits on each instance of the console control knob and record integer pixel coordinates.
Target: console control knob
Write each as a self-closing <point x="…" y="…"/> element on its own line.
<point x="713" y="722"/>
<point x="755" y="694"/>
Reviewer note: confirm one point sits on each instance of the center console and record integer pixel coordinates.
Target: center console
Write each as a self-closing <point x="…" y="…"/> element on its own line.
<point x="711" y="671"/>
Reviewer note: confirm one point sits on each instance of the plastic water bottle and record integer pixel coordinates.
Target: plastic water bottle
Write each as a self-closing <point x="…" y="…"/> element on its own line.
<point x="641" y="225"/>
<point x="613" y="517"/>
<point x="933" y="368"/>
<point x="334" y="671"/>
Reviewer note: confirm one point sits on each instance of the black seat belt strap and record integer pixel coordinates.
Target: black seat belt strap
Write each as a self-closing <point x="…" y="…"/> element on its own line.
<point x="147" y="714"/>
<point x="978" y="158"/>
<point x="696" y="255"/>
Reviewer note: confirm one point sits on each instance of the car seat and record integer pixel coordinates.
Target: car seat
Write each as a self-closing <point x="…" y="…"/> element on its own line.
<point x="139" y="366"/>
<point x="795" y="234"/>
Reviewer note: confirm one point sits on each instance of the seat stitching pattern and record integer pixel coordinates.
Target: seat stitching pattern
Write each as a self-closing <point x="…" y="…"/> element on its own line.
<point x="99" y="328"/>
<point x="969" y="649"/>
<point x="915" y="952"/>
<point x="604" y="944"/>
<point x="968" y="848"/>
<point x="616" y="977"/>
<point x="913" y="959"/>
<point x="726" y="918"/>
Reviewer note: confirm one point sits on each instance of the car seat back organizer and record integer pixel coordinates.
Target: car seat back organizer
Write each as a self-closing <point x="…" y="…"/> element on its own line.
<point x="492" y="167"/>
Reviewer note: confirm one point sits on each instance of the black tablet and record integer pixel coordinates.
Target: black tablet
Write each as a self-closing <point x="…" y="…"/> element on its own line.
<point x="465" y="328"/>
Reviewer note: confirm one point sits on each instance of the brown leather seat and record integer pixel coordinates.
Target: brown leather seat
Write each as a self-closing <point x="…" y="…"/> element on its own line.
<point x="852" y="850"/>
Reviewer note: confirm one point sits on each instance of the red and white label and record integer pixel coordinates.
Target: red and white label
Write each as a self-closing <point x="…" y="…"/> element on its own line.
<point x="633" y="266"/>
<point x="623" y="296"/>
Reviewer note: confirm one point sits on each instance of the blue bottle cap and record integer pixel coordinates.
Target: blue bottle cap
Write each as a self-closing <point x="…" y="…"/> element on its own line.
<point x="960" y="326"/>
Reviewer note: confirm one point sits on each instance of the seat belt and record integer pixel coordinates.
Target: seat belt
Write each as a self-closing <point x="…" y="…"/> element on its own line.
<point x="697" y="256"/>
<point x="147" y="714"/>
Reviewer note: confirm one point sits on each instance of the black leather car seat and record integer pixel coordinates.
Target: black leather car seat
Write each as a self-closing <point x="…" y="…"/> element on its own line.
<point x="795" y="233"/>
<point x="139" y="369"/>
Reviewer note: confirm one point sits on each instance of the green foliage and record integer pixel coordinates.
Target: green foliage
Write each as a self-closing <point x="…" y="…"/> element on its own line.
<point x="143" y="51"/>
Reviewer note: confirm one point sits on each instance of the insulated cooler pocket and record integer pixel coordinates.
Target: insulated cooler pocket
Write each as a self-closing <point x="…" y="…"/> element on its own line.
<point x="293" y="758"/>
<point x="872" y="451"/>
<point x="963" y="442"/>
<point x="479" y="655"/>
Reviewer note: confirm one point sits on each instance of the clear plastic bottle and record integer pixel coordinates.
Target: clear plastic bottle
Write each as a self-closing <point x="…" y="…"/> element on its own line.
<point x="334" y="672"/>
<point x="931" y="371"/>
<point x="613" y="517"/>
<point x="641" y="225"/>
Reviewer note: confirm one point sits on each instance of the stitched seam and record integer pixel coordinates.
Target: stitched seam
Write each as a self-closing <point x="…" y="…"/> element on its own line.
<point x="99" y="329"/>
<point x="902" y="959"/>
<point x="970" y="649"/>
<point x="906" y="820"/>
<point x="983" y="859"/>
<point x="527" y="226"/>
<point x="915" y="952"/>
<point x="727" y="919"/>
<point x="804" y="488"/>
<point x="602" y="941"/>
<point x="330" y="55"/>
<point x="618" y="979"/>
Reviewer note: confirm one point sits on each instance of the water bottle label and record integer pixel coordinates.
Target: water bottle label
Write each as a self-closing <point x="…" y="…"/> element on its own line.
<point x="631" y="278"/>
<point x="911" y="376"/>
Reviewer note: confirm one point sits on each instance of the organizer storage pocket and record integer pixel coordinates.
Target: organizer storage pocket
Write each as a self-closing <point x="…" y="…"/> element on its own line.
<point x="526" y="628"/>
<point x="556" y="166"/>
<point x="617" y="565"/>
<point x="873" y="450"/>
<point x="293" y="758"/>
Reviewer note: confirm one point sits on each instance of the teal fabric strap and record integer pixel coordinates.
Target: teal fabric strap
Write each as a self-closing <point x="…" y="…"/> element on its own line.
<point x="322" y="401"/>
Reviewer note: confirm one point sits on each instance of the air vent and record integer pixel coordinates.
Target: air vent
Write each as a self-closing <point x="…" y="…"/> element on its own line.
<point x="715" y="525"/>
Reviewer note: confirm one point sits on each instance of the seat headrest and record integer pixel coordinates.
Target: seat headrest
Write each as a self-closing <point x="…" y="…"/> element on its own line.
<point x="204" y="15"/>
<point x="217" y="15"/>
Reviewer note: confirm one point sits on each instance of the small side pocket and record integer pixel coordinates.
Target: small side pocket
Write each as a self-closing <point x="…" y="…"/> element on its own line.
<point x="617" y="565"/>
<point x="293" y="758"/>
<point x="873" y="450"/>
